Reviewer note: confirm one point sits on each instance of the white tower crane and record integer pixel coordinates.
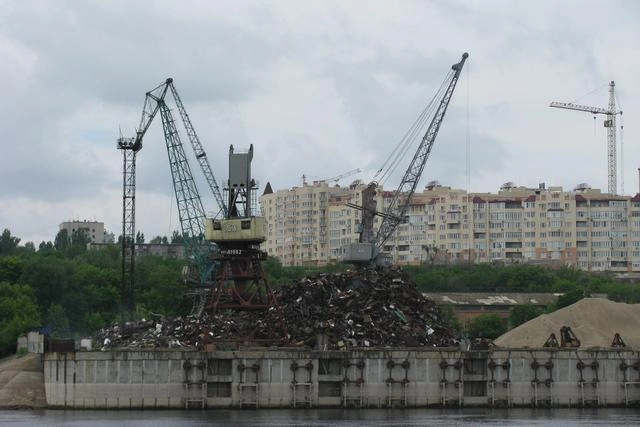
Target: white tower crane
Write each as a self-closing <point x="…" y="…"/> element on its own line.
<point x="610" y="124"/>
<point x="337" y="178"/>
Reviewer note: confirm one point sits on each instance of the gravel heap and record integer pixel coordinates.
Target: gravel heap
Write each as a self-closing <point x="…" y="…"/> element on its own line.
<point x="594" y="321"/>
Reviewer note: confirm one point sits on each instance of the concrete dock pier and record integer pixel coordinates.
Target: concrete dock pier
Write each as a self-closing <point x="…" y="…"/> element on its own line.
<point x="286" y="378"/>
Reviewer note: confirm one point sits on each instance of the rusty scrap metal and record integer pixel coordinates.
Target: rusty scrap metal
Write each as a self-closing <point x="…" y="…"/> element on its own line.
<point x="357" y="309"/>
<point x="374" y="308"/>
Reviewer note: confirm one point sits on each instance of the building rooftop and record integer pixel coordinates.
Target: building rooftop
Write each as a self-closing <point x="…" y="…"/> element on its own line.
<point x="511" y="299"/>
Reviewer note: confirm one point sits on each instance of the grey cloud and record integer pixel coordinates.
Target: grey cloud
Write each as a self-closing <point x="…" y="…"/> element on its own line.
<point x="361" y="75"/>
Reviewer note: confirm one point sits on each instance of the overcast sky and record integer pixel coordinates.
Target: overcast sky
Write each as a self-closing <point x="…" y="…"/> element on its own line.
<point x="318" y="87"/>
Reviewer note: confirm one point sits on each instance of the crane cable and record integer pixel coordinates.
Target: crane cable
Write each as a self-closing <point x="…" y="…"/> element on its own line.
<point x="590" y="93"/>
<point x="399" y="152"/>
<point x="468" y="137"/>
<point x="469" y="242"/>
<point x="404" y="144"/>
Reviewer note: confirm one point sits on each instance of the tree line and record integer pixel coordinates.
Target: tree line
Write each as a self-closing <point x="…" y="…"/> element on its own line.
<point x="74" y="291"/>
<point x="571" y="284"/>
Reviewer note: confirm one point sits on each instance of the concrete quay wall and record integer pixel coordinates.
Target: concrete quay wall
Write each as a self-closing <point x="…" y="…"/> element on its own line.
<point x="294" y="378"/>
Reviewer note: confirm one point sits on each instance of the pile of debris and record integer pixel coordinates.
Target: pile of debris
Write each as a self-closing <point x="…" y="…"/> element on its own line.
<point x="368" y="308"/>
<point x="191" y="331"/>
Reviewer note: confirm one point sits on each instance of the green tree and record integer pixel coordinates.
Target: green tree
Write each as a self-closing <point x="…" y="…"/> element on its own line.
<point x="11" y="269"/>
<point x="176" y="237"/>
<point x="18" y="313"/>
<point x="107" y="257"/>
<point x="91" y="289"/>
<point x="79" y="241"/>
<point x="273" y="269"/>
<point x="62" y="241"/>
<point x="156" y="240"/>
<point x="49" y="276"/>
<point x="80" y="238"/>
<point x="139" y="237"/>
<point x="57" y="320"/>
<point x="486" y="326"/>
<point x="160" y="288"/>
<point x="568" y="298"/>
<point x="109" y="237"/>
<point x="8" y="243"/>
<point x="45" y="246"/>
<point x="523" y="313"/>
<point x="449" y="317"/>
<point x="74" y="244"/>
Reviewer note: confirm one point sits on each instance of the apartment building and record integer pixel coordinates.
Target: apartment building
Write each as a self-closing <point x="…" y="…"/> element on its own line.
<point x="583" y="227"/>
<point x="93" y="229"/>
<point x="297" y="229"/>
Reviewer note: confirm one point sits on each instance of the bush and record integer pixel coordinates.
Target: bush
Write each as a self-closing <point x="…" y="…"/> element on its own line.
<point x="523" y="313"/>
<point x="486" y="326"/>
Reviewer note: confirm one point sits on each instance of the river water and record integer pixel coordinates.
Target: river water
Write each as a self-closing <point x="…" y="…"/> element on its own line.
<point x="325" y="417"/>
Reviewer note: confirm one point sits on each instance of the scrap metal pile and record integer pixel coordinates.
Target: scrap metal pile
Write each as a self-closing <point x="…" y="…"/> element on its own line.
<point x="370" y="308"/>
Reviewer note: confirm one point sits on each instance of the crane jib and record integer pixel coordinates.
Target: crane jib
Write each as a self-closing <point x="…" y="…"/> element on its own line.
<point x="190" y="210"/>
<point x="369" y="248"/>
<point x="410" y="180"/>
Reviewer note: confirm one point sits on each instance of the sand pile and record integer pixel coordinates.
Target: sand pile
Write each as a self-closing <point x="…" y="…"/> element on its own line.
<point x="22" y="382"/>
<point x="593" y="320"/>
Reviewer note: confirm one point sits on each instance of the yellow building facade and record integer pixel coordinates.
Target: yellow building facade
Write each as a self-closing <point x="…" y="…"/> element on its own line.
<point x="583" y="227"/>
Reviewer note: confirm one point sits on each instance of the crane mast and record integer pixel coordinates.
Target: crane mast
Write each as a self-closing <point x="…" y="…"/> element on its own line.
<point x="190" y="209"/>
<point x="610" y="123"/>
<point x="130" y="148"/>
<point x="370" y="243"/>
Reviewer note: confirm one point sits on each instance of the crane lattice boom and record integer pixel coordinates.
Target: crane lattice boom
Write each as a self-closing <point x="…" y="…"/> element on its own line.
<point x="342" y="175"/>
<point x="199" y="152"/>
<point x="577" y="107"/>
<point x="190" y="210"/>
<point x="399" y="205"/>
<point x="371" y="243"/>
